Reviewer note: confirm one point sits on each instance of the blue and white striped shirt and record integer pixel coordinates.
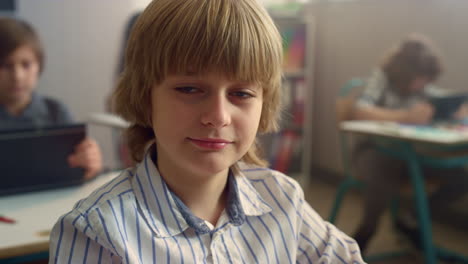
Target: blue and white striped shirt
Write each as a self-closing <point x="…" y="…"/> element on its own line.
<point x="135" y="218"/>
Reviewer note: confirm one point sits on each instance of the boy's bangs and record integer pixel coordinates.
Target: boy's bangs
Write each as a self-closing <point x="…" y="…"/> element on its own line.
<point x="221" y="38"/>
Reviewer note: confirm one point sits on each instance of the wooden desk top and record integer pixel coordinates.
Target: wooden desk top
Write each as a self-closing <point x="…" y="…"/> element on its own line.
<point x="35" y="214"/>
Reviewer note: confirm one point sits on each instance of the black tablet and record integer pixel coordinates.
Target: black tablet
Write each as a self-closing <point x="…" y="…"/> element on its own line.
<point x="446" y="106"/>
<point x="36" y="159"/>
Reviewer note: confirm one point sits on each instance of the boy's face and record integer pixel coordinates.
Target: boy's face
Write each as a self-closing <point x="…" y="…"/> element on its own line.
<point x="18" y="75"/>
<point x="418" y="84"/>
<point x="204" y="123"/>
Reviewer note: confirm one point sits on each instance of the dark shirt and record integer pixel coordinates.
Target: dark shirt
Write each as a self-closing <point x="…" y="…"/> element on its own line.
<point x="41" y="112"/>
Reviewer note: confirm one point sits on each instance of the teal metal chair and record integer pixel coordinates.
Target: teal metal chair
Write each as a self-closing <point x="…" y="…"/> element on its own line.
<point x="401" y="150"/>
<point x="344" y="106"/>
<point x="406" y="151"/>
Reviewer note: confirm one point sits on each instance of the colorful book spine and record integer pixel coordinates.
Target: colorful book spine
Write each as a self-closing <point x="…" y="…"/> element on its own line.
<point x="285" y="151"/>
<point x="294" y="48"/>
<point x="299" y="102"/>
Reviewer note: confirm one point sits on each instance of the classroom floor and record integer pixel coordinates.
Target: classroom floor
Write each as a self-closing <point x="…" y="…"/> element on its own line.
<point x="321" y="196"/>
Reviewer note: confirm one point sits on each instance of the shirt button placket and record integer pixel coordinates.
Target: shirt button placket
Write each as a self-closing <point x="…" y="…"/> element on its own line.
<point x="216" y="249"/>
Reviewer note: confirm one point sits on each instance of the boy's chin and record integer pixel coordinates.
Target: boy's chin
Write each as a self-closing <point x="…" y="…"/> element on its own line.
<point x="19" y="96"/>
<point x="210" y="168"/>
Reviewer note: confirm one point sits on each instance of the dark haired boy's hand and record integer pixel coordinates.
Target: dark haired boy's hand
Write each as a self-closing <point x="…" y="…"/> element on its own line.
<point x="420" y="114"/>
<point x="88" y="156"/>
<point x="462" y="112"/>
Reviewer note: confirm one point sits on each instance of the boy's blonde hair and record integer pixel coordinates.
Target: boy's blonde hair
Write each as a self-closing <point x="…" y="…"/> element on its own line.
<point x="416" y="56"/>
<point x="234" y="37"/>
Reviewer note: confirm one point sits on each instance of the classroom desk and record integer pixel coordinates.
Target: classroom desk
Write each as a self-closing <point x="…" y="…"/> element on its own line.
<point x="35" y="213"/>
<point x="419" y="145"/>
<point x="414" y="134"/>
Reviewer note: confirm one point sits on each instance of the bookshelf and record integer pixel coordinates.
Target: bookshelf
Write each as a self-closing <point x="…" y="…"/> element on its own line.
<point x="289" y="150"/>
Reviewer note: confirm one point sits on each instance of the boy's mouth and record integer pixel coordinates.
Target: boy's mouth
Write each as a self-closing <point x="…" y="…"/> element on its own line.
<point x="210" y="143"/>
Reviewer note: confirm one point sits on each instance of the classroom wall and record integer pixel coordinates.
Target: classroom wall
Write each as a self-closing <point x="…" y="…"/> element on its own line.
<point x="82" y="40"/>
<point x="351" y="38"/>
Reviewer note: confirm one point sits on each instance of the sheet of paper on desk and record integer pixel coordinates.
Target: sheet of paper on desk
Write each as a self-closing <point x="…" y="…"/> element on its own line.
<point x="443" y="130"/>
<point x="435" y="133"/>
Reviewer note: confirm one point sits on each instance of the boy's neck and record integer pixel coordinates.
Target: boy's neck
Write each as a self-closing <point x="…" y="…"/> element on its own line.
<point x="205" y="202"/>
<point x="16" y="108"/>
<point x="204" y="196"/>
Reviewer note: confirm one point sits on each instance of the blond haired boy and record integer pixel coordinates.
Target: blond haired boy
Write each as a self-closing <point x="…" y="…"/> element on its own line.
<point x="201" y="79"/>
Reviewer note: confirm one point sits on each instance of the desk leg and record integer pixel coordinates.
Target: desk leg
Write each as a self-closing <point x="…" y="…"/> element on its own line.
<point x="422" y="210"/>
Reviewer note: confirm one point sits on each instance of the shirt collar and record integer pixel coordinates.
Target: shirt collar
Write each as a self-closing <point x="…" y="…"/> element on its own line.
<point x="36" y="108"/>
<point x="168" y="216"/>
<point x="250" y="200"/>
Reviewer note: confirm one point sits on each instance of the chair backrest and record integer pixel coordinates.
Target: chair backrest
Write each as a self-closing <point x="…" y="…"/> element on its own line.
<point x="346" y="98"/>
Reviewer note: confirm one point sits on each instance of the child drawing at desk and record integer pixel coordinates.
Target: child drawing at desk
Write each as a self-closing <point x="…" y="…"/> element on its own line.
<point x="201" y="79"/>
<point x="398" y="91"/>
<point x="21" y="63"/>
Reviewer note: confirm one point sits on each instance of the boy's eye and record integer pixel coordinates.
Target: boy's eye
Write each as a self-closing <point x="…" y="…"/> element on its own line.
<point x="26" y="64"/>
<point x="187" y="89"/>
<point x="242" y="94"/>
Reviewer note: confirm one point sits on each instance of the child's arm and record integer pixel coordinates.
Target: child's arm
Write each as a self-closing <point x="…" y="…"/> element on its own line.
<point x="419" y="113"/>
<point x="462" y="112"/>
<point x="378" y="113"/>
<point x="72" y="240"/>
<point x="367" y="106"/>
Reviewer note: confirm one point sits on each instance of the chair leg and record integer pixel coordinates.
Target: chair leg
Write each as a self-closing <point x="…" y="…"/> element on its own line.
<point x="394" y="207"/>
<point x="423" y="211"/>
<point x="342" y="190"/>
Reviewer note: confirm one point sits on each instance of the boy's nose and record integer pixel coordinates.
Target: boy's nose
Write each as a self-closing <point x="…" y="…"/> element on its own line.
<point x="216" y="113"/>
<point x="18" y="73"/>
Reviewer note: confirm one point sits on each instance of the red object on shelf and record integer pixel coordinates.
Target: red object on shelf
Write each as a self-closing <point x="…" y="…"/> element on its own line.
<point x="285" y="151"/>
<point x="7" y="220"/>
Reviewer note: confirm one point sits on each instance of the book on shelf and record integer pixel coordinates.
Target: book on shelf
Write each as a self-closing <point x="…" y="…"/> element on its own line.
<point x="294" y="92"/>
<point x="285" y="149"/>
<point x="294" y="38"/>
<point x="299" y="102"/>
<point x="283" y="156"/>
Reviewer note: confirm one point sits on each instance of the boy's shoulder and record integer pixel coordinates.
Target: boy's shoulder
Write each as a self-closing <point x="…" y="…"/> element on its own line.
<point x="110" y="191"/>
<point x="54" y="109"/>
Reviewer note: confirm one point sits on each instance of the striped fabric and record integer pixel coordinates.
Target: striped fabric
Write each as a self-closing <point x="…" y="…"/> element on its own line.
<point x="135" y="218"/>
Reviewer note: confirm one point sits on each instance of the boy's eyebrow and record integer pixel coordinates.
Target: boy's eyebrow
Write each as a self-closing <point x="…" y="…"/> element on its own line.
<point x="198" y="79"/>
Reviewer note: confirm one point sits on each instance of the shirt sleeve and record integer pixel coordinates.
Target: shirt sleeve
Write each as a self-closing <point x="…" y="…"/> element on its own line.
<point x="321" y="242"/>
<point x="73" y="240"/>
<point x="373" y="90"/>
